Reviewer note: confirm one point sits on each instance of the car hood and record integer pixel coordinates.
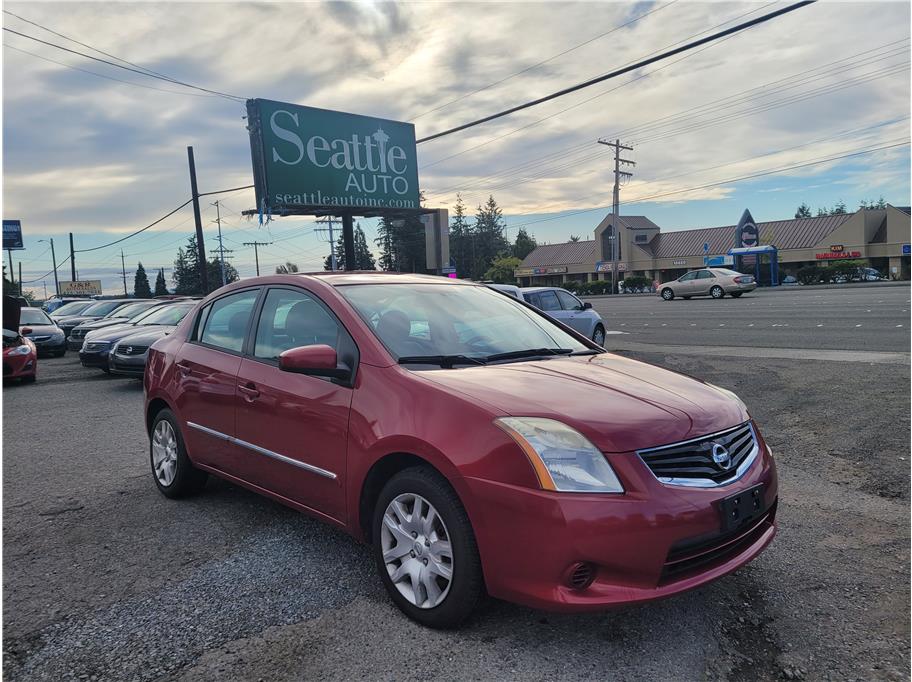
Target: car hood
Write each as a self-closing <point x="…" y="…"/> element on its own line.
<point x="134" y="332"/>
<point x="41" y="329"/>
<point x="102" y="323"/>
<point x="147" y="338"/>
<point x="75" y="320"/>
<point x="619" y="404"/>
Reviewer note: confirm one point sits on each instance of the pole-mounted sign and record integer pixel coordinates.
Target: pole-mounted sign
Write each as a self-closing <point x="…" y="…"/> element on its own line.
<point x="747" y="233"/>
<point x="306" y="159"/>
<point x="12" y="235"/>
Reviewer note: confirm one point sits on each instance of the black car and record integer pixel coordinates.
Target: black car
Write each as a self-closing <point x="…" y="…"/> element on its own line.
<point x="98" y="346"/>
<point x="48" y="338"/>
<point x="119" y="316"/>
<point x="94" y="312"/>
<point x="71" y="308"/>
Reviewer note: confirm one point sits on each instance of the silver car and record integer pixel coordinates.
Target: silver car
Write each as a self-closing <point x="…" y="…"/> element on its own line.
<point x="561" y="305"/>
<point x="715" y="282"/>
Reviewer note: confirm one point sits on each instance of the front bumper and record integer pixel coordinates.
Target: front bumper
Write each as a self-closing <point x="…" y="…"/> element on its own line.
<point x="94" y="358"/>
<point x="131" y="365"/>
<point x="50" y="346"/>
<point x="651" y="542"/>
<point x="19" y="367"/>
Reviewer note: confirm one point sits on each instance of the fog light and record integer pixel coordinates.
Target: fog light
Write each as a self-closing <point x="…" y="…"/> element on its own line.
<point x="580" y="575"/>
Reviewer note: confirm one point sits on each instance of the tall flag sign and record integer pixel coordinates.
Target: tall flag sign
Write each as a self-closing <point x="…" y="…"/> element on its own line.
<point x="747" y="233"/>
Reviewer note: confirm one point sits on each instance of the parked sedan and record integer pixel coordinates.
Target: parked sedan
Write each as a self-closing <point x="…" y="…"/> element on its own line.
<point x="71" y="309"/>
<point x="477" y="445"/>
<point x="119" y="316"/>
<point x="48" y="338"/>
<point x="96" y="311"/>
<point x="98" y="345"/>
<point x="129" y="354"/>
<point x="715" y="282"/>
<point x="561" y="305"/>
<point x="20" y="358"/>
<point x="56" y="303"/>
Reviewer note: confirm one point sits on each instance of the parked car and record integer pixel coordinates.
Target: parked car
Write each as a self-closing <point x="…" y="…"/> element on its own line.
<point x="71" y="309"/>
<point x="55" y="303"/>
<point x="561" y="305"/>
<point x="790" y="280"/>
<point x="99" y="344"/>
<point x="96" y="311"/>
<point x="20" y="357"/>
<point x="715" y="282"/>
<point x="119" y="316"/>
<point x="35" y="325"/>
<point x="478" y="446"/>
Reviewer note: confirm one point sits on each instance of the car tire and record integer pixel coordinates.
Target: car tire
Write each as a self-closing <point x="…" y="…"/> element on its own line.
<point x="173" y="472"/>
<point x="736" y="294"/>
<point x="667" y="294"/>
<point x="598" y="336"/>
<point x="30" y="379"/>
<point x="429" y="598"/>
<point x="717" y="292"/>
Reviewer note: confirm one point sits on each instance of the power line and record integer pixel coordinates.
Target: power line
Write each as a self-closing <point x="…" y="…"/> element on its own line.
<point x="101" y="75"/>
<point x="104" y="246"/>
<point x="127" y="68"/>
<point x="622" y="70"/>
<point x="48" y="273"/>
<point x="544" y="61"/>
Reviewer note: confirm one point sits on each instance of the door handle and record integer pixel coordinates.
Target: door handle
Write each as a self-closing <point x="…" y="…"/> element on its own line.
<point x="249" y="390"/>
<point x="184" y="369"/>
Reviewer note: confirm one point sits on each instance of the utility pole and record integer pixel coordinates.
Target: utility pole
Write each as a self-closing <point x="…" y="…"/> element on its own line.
<point x="45" y="289"/>
<point x="256" y="254"/>
<point x="54" y="258"/>
<point x="123" y="269"/>
<point x="20" y="277"/>
<point x="348" y="240"/>
<point x="615" y="217"/>
<point x="328" y="221"/>
<point x="220" y="253"/>
<point x="221" y="248"/>
<point x="72" y="259"/>
<point x="200" y="246"/>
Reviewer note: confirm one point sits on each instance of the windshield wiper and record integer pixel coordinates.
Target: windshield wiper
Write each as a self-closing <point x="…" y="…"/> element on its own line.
<point x="528" y="353"/>
<point x="445" y="361"/>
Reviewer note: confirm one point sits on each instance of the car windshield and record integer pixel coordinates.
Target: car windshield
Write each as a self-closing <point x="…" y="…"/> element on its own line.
<point x="130" y="311"/>
<point x="101" y="309"/>
<point x="72" y="308"/>
<point x="33" y="316"/>
<point x="470" y="323"/>
<point x="166" y="315"/>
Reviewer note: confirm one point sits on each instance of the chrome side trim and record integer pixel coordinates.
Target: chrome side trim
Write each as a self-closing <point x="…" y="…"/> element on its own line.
<point x="263" y="451"/>
<point x="703" y="482"/>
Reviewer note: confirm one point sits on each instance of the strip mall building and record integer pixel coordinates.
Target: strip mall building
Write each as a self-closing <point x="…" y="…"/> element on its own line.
<point x="878" y="236"/>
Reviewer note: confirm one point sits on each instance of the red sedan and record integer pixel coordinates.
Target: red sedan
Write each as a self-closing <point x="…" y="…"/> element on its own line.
<point x="479" y="446"/>
<point x="20" y="356"/>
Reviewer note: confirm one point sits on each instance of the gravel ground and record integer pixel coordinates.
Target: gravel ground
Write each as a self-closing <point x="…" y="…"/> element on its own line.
<point x="105" y="579"/>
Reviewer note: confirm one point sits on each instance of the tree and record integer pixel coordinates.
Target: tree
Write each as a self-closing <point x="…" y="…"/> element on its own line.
<point x="161" y="289"/>
<point x="286" y="269"/>
<point x="804" y="211"/>
<point x="501" y="270"/>
<point x="141" y="288"/>
<point x="872" y="205"/>
<point x="461" y="240"/>
<point x="186" y="273"/>
<point x="490" y="242"/>
<point x="839" y="208"/>
<point x="364" y="259"/>
<point x="574" y="237"/>
<point x="214" y="269"/>
<point x="402" y="244"/>
<point x="524" y="244"/>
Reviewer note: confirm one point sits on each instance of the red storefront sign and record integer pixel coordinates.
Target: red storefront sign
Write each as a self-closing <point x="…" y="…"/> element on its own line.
<point x="831" y="255"/>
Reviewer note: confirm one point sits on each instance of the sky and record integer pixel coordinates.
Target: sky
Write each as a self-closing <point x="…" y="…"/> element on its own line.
<point x="752" y="121"/>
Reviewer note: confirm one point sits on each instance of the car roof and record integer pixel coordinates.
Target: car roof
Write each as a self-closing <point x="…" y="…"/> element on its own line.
<point x="533" y="290"/>
<point x="356" y="277"/>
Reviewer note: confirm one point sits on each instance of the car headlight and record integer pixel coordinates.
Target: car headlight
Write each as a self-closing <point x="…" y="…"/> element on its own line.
<point x="563" y="459"/>
<point x="21" y="350"/>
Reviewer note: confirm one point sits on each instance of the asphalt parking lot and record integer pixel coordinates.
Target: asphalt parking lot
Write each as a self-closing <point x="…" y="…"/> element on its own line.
<point x="105" y="579"/>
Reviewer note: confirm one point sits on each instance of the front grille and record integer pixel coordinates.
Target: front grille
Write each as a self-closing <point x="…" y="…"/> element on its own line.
<point x="702" y="462"/>
<point x="131" y="350"/>
<point x="78" y="333"/>
<point x="689" y="556"/>
<point x="95" y="347"/>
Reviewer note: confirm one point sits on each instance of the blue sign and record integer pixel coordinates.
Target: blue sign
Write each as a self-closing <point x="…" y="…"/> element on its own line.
<point x="12" y="235"/>
<point x="718" y="261"/>
<point x="705" y="247"/>
<point x="907" y="250"/>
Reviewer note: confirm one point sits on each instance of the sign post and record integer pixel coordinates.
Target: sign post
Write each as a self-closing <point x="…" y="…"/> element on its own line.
<point x="12" y="241"/>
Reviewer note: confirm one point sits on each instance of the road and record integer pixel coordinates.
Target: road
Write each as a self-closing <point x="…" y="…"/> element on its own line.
<point x="106" y="579"/>
<point x="874" y="318"/>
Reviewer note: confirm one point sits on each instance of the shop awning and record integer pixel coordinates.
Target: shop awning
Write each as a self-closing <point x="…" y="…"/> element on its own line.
<point x="746" y="250"/>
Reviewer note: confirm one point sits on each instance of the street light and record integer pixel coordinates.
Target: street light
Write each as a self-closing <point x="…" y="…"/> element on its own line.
<point x="54" y="263"/>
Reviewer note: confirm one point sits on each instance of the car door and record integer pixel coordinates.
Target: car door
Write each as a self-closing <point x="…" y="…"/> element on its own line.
<point x="207" y="367"/>
<point x="704" y="282"/>
<point x="549" y="303"/>
<point x="685" y="284"/>
<point x="293" y="428"/>
<point x="576" y="316"/>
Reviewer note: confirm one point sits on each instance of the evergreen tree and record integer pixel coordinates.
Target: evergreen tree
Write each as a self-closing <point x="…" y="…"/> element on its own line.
<point x="839" y="208"/>
<point x="185" y="274"/>
<point x="490" y="242"/>
<point x="214" y="270"/>
<point x="141" y="288"/>
<point x="524" y="244"/>
<point x="574" y="237"/>
<point x="161" y="288"/>
<point x="385" y="240"/>
<point x="364" y="259"/>
<point x="804" y="211"/>
<point x="461" y="240"/>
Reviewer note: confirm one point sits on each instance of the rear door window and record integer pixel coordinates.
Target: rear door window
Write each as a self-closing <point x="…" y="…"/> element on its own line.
<point x="705" y="274"/>
<point x="290" y="319"/>
<point x="549" y="301"/>
<point x="224" y="322"/>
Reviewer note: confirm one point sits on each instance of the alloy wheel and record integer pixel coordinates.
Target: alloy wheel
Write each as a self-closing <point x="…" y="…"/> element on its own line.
<point x="417" y="551"/>
<point x="717" y="292"/>
<point x="164" y="453"/>
<point x="599" y="336"/>
<point x="667" y="294"/>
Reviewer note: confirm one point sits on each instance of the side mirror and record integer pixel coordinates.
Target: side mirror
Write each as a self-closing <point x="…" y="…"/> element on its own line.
<point x="587" y="305"/>
<point x="25" y="331"/>
<point x="318" y="360"/>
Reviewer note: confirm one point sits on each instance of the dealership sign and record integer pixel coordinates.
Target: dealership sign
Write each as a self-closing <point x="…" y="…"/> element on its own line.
<point x="306" y="158"/>
<point x="84" y="287"/>
<point x="12" y="235"/>
<point x="747" y="233"/>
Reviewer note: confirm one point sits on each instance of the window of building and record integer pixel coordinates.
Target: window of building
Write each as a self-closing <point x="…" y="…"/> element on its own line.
<point x="641" y="238"/>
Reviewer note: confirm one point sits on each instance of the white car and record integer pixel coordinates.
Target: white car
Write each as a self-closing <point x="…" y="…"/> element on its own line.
<point x="562" y="306"/>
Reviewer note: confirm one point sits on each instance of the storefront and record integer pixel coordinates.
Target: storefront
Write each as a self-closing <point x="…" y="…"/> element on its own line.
<point x="879" y="238"/>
